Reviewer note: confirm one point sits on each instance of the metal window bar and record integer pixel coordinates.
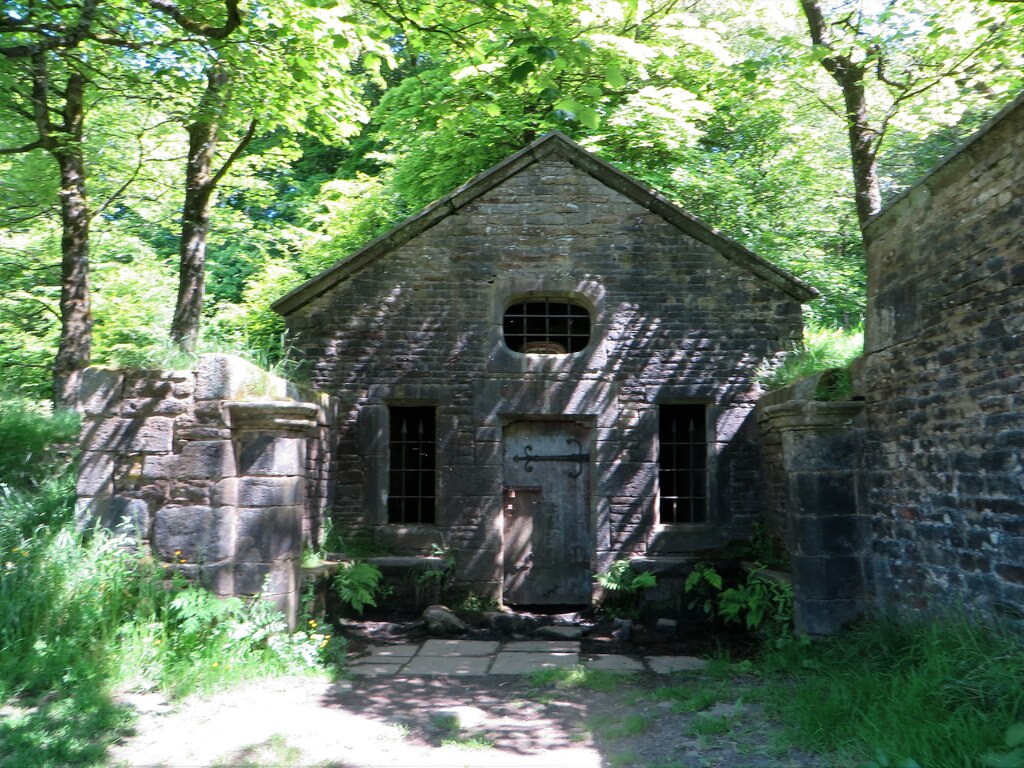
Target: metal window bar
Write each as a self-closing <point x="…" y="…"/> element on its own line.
<point x="547" y="326"/>
<point x="412" y="474"/>
<point x="682" y="464"/>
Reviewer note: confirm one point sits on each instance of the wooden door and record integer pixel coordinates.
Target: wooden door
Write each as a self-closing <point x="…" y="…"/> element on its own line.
<point x="546" y="513"/>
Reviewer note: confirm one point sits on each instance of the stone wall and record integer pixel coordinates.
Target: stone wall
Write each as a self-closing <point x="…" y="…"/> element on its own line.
<point x="944" y="381"/>
<point x="221" y="470"/>
<point x="673" y="321"/>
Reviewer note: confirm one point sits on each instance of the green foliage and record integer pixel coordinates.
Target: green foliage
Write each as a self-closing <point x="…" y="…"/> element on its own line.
<point x="704" y="582"/>
<point x="34" y="444"/>
<point x="943" y="692"/>
<point x="1013" y="756"/>
<point x="85" y="615"/>
<point x="624" y="588"/>
<point x="576" y="676"/>
<point x="357" y="584"/>
<point x="620" y="577"/>
<point x="822" y="350"/>
<point x="763" y="604"/>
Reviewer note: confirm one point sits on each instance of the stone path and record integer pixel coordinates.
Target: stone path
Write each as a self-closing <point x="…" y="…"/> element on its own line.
<point x="491" y="657"/>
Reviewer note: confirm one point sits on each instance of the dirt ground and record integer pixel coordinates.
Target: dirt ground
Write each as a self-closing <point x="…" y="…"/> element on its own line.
<point x="481" y="722"/>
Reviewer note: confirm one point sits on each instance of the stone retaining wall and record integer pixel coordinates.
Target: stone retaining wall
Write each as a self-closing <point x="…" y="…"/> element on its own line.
<point x="221" y="470"/>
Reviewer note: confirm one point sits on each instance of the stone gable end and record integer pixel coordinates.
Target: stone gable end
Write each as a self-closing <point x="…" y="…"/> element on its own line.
<point x="673" y="320"/>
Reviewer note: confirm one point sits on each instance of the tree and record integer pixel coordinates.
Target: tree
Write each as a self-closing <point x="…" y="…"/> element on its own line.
<point x="45" y="86"/>
<point x="283" y="65"/>
<point x="887" y="63"/>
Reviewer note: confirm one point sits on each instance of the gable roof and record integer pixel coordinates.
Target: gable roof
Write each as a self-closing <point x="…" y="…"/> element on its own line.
<point x="560" y="145"/>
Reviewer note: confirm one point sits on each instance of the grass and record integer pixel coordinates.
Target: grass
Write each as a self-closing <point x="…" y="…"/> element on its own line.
<point x="823" y="349"/>
<point x="83" y="616"/>
<point x="578" y="676"/>
<point x="941" y="693"/>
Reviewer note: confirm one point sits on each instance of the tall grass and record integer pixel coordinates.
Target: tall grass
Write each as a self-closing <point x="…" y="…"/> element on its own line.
<point x="823" y="349"/>
<point x="83" y="616"/>
<point x="941" y="693"/>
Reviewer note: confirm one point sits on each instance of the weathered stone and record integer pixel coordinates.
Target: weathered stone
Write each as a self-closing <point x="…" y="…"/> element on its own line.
<point x="556" y="632"/>
<point x="95" y="473"/>
<point x="266" y="454"/>
<point x="666" y="627"/>
<point x="441" y="621"/>
<point x="100" y="390"/>
<point x="268" y="534"/>
<point x="193" y="534"/>
<point x="211" y="459"/>
<point x="676" y="315"/>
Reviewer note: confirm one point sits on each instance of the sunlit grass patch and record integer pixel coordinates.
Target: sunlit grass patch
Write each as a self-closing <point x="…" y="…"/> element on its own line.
<point x="578" y="676"/>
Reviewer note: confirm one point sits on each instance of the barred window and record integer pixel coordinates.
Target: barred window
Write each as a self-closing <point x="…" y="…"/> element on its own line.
<point x="546" y="327"/>
<point x="412" y="474"/>
<point x="682" y="464"/>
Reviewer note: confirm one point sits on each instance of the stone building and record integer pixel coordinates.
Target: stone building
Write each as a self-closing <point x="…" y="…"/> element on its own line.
<point x="547" y="369"/>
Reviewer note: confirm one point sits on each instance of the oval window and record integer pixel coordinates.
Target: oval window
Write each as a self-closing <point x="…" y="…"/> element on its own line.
<point x="546" y="327"/>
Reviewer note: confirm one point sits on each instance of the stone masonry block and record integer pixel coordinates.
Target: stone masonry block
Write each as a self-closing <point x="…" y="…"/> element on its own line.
<point x="266" y="454"/>
<point x="225" y="377"/>
<point x="821" y="494"/>
<point x="268" y="535"/>
<point x="154" y="435"/>
<point x="824" y="617"/>
<point x="100" y="390"/>
<point x="196" y="534"/>
<point x="206" y="459"/>
<point x="271" y="491"/>
<point x="826" y="578"/>
<point x="830" y="535"/>
<point x="95" y="473"/>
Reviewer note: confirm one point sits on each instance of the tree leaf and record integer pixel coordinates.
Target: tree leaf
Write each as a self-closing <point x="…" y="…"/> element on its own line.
<point x="613" y="76"/>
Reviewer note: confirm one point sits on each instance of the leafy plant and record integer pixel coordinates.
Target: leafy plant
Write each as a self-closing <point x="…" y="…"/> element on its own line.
<point x="620" y="577"/>
<point x="705" y="583"/>
<point x="357" y="584"/>
<point x="761" y="603"/>
<point x="624" y="587"/>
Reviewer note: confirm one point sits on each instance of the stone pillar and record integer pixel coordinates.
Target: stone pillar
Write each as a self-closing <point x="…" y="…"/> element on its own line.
<point x="268" y="496"/>
<point x="820" y="448"/>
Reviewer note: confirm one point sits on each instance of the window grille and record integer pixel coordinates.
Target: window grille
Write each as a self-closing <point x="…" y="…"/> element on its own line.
<point x="546" y="326"/>
<point x="682" y="464"/>
<point x="412" y="473"/>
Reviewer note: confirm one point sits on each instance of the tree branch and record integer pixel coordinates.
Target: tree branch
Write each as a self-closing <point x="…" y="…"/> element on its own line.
<point x="69" y="39"/>
<point x="250" y="132"/>
<point x="231" y="23"/>
<point x="37" y="144"/>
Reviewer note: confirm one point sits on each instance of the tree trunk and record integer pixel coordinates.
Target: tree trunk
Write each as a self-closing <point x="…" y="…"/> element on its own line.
<point x="849" y="75"/>
<point x="195" y="219"/>
<point x="75" y="311"/>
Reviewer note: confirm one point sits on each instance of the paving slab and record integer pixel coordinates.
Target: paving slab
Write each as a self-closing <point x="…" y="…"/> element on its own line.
<point x="520" y="663"/>
<point x="447" y="665"/>
<point x="548" y="646"/>
<point x="370" y="669"/>
<point x="459" y="647"/>
<point x="669" y="664"/>
<point x="611" y="662"/>
<point x="400" y="652"/>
